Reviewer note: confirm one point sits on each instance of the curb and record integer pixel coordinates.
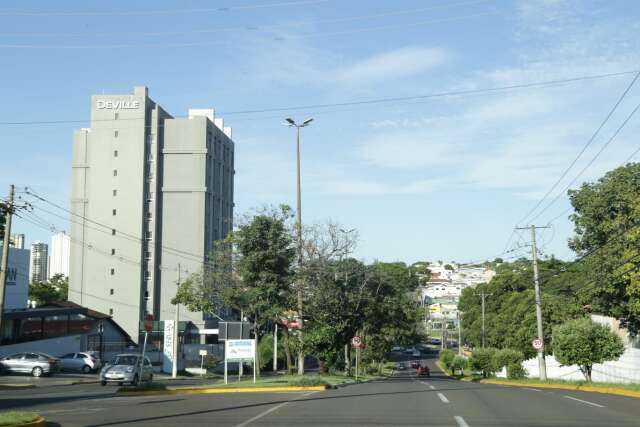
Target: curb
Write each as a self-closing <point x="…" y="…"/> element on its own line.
<point x="16" y="386"/>
<point x="38" y="422"/>
<point x="84" y="382"/>
<point x="588" y="388"/>
<point x="219" y="390"/>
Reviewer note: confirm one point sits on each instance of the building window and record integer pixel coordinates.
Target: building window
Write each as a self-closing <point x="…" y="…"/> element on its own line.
<point x="115" y="172"/>
<point x="115" y="192"/>
<point x="148" y="234"/>
<point x="113" y="271"/>
<point x="111" y="312"/>
<point x="113" y="231"/>
<point x="115" y="133"/>
<point x="113" y="251"/>
<point x="149" y="215"/>
<point x="115" y="153"/>
<point x="116" y="115"/>
<point x="110" y="291"/>
<point x="113" y="212"/>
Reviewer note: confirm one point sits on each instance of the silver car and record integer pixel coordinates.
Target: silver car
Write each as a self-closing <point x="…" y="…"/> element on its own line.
<point x="34" y="363"/>
<point x="127" y="368"/>
<point x="83" y="362"/>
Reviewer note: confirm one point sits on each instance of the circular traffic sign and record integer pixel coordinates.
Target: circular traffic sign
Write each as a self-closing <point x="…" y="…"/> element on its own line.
<point x="537" y="343"/>
<point x="356" y="341"/>
<point x="148" y="323"/>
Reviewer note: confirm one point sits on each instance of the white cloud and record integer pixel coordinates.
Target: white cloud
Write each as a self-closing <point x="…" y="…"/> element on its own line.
<point x="363" y="187"/>
<point x="396" y="64"/>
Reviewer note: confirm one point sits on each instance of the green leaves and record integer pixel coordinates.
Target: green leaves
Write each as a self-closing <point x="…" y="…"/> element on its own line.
<point x="55" y="289"/>
<point x="584" y="342"/>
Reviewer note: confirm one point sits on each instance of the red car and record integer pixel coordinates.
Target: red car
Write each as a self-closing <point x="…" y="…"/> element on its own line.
<point x="423" y="371"/>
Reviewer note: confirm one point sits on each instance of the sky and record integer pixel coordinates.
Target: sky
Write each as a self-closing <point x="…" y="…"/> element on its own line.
<point x="444" y="177"/>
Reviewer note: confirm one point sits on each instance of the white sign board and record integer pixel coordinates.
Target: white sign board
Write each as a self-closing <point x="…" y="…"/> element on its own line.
<point x="167" y="362"/>
<point x="537" y="344"/>
<point x="239" y="349"/>
<point x="203" y="352"/>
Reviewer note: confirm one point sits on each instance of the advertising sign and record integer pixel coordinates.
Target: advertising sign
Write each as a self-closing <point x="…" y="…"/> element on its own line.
<point x="240" y="349"/>
<point x="168" y="345"/>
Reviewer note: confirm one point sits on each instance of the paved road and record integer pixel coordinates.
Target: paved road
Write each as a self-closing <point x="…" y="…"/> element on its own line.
<point x="400" y="401"/>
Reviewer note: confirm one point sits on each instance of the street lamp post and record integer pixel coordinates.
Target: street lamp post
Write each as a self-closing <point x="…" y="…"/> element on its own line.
<point x="292" y="123"/>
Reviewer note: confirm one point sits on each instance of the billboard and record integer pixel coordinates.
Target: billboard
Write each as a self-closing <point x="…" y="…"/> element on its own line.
<point x="240" y="349"/>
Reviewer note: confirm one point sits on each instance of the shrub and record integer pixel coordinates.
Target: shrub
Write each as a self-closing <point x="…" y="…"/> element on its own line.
<point x="308" y="381"/>
<point x="483" y="360"/>
<point x="512" y="360"/>
<point x="459" y="363"/>
<point x="446" y="358"/>
<point x="515" y="371"/>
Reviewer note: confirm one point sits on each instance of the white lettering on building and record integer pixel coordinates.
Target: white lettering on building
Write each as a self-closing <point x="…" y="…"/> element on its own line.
<point x="119" y="104"/>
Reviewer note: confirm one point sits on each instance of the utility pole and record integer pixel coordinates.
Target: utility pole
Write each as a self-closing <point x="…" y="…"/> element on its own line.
<point x="542" y="365"/>
<point x="459" y="333"/>
<point x="275" y="347"/>
<point x="5" y="252"/>
<point x="483" y="296"/>
<point x="176" y="334"/>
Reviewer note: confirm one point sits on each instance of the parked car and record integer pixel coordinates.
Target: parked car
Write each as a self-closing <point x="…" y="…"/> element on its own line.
<point x="397" y="348"/>
<point x="415" y="364"/>
<point x="416" y="353"/>
<point x="401" y="366"/>
<point x="34" y="363"/>
<point x="83" y="362"/>
<point x="409" y="350"/>
<point x="127" y="368"/>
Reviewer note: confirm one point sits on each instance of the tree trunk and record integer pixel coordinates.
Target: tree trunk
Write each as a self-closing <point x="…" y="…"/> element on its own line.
<point x="301" y="362"/>
<point x="348" y="347"/>
<point x="322" y="368"/>
<point x="287" y="350"/>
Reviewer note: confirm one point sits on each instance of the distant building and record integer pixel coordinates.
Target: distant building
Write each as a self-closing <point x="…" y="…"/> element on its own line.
<point x="151" y="194"/>
<point x="17" y="289"/>
<point x="59" y="258"/>
<point x="17" y="241"/>
<point x="39" y="262"/>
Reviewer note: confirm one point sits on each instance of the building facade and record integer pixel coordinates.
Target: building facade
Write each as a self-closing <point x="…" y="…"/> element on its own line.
<point x="151" y="193"/>
<point x="60" y="254"/>
<point x="17" y="241"/>
<point x="39" y="262"/>
<point x="17" y="288"/>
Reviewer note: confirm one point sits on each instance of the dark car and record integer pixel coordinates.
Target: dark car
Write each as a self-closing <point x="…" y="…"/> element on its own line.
<point x="423" y="371"/>
<point x="415" y="364"/>
<point x="34" y="363"/>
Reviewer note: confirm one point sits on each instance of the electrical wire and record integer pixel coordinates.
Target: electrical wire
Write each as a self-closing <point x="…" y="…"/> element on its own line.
<point x="584" y="148"/>
<point x="353" y="103"/>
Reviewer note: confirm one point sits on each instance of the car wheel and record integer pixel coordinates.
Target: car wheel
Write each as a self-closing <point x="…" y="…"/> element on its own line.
<point x="86" y="369"/>
<point x="103" y="383"/>
<point x="135" y="381"/>
<point x="37" y="371"/>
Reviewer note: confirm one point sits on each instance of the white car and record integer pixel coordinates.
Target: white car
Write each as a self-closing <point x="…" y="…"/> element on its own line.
<point x="81" y="362"/>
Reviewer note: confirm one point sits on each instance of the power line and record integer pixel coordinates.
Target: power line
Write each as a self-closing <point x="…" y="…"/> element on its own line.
<point x="593" y="159"/>
<point x="584" y="148"/>
<point x="435" y="95"/>
<point x="245" y="27"/>
<point x="182" y="11"/>
<point x="226" y="42"/>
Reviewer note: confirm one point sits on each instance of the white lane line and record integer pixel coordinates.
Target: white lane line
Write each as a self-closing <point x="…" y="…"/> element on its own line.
<point x="424" y="382"/>
<point x="270" y="410"/>
<point x="584" y="401"/>
<point x="531" y="389"/>
<point x="443" y="398"/>
<point x="432" y="387"/>
<point x="460" y="421"/>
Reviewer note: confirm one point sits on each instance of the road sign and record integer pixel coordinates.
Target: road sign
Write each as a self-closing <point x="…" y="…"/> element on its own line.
<point x="537" y="344"/>
<point x="356" y="342"/>
<point x="148" y="323"/>
<point x="203" y="352"/>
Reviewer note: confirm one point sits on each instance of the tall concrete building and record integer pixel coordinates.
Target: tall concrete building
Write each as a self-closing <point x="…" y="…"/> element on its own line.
<point x="150" y="194"/>
<point x="17" y="241"/>
<point x="39" y="262"/>
<point x="59" y="254"/>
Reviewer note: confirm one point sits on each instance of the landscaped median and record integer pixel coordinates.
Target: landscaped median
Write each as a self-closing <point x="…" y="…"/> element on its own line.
<point x="16" y="386"/>
<point x="630" y="390"/>
<point x="283" y="383"/>
<point x="21" y="419"/>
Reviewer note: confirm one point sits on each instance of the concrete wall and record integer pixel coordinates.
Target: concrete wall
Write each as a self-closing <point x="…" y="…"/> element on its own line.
<point x="51" y="346"/>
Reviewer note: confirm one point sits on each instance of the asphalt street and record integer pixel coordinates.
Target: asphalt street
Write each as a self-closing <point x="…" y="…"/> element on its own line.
<point x="403" y="400"/>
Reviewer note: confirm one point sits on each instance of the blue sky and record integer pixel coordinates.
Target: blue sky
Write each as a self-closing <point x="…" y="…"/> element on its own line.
<point x="438" y="178"/>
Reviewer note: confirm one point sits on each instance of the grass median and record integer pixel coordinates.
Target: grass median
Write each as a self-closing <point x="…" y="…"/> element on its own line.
<point x="17" y="417"/>
<point x="560" y="383"/>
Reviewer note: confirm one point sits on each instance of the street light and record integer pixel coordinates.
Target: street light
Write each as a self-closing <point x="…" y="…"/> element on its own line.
<point x="292" y="123"/>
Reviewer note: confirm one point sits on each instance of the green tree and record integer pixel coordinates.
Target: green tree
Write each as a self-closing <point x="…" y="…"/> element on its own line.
<point x="446" y="358"/>
<point x="483" y="360"/>
<point x="54" y="289"/>
<point x="584" y="342"/>
<point x="608" y="236"/>
<point x="459" y="363"/>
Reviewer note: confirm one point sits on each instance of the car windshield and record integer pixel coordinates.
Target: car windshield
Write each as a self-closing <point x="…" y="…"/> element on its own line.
<point x="124" y="360"/>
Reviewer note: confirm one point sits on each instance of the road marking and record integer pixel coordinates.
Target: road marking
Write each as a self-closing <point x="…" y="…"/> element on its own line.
<point x="432" y="387"/>
<point x="423" y="382"/>
<point x="531" y="389"/>
<point x="460" y="421"/>
<point x="584" y="401"/>
<point x="443" y="398"/>
<point x="270" y="410"/>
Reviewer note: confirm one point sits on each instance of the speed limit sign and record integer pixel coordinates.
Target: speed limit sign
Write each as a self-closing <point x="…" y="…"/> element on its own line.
<point x="356" y="342"/>
<point x="537" y="344"/>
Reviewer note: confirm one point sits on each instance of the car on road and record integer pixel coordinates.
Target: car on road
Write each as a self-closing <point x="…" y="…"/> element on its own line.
<point x="416" y="353"/>
<point x="83" y="362"/>
<point x="409" y="350"/>
<point x="415" y="364"/>
<point x="396" y="348"/>
<point x="423" y="371"/>
<point x="34" y="363"/>
<point x="401" y="366"/>
<point x="127" y="368"/>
